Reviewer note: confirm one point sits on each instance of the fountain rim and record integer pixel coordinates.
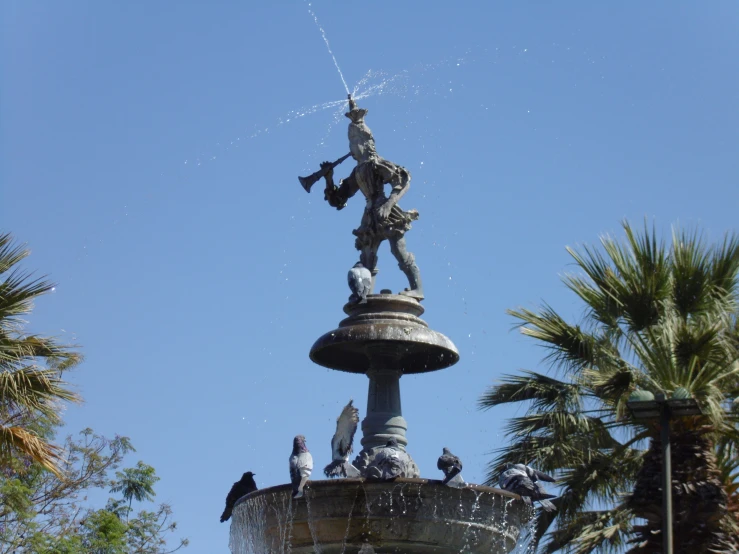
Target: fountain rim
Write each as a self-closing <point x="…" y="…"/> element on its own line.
<point x="363" y="482"/>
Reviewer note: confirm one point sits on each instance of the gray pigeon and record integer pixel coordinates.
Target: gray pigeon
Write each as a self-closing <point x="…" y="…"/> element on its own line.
<point x="301" y="465"/>
<point x="341" y="444"/>
<point x="239" y="489"/>
<point x="536" y="475"/>
<point x="389" y="462"/>
<point x="530" y="472"/>
<point x="360" y="283"/>
<point x="525" y="481"/>
<point x="451" y="466"/>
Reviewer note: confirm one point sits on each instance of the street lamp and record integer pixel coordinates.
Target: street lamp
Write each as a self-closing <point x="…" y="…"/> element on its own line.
<point x="644" y="405"/>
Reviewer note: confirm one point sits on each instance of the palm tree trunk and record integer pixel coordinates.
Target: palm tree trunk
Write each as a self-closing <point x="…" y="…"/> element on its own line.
<point x="701" y="523"/>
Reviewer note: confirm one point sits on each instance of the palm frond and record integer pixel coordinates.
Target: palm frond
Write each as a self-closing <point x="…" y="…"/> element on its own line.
<point x="604" y="475"/>
<point x="640" y="279"/>
<point x="561" y="426"/>
<point x="595" y="288"/>
<point x="545" y="452"/>
<point x="691" y="273"/>
<point x="10" y="253"/>
<point x="611" y="384"/>
<point x="553" y="450"/>
<point x="724" y="266"/>
<point x="544" y="392"/>
<point x="601" y="475"/>
<point x="568" y="532"/>
<point x="15" y="441"/>
<point x="729" y="466"/>
<point x="16" y="350"/>
<point x="607" y="532"/>
<point x="17" y="293"/>
<point x="569" y="345"/>
<point x="29" y="390"/>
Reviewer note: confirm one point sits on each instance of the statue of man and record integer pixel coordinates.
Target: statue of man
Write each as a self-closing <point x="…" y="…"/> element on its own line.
<point x="382" y="219"/>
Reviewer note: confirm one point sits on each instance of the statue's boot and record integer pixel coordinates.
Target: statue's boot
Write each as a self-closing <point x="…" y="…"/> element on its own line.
<point x="414" y="279"/>
<point x="374" y="273"/>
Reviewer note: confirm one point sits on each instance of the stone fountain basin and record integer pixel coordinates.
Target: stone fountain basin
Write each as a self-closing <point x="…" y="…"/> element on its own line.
<point x="409" y="516"/>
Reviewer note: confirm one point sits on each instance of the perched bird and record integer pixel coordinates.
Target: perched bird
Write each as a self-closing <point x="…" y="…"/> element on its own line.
<point x="525" y="481"/>
<point x="360" y="283"/>
<point x="511" y="471"/>
<point x="389" y="462"/>
<point x="536" y="475"/>
<point x="341" y="444"/>
<point x="239" y="489"/>
<point x="530" y="472"/>
<point x="301" y="465"/>
<point x="451" y="466"/>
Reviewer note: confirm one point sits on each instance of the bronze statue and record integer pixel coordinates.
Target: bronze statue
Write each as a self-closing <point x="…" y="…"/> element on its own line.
<point x="382" y="219"/>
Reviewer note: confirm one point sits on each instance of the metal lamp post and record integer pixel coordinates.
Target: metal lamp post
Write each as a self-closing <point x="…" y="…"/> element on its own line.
<point x="644" y="405"/>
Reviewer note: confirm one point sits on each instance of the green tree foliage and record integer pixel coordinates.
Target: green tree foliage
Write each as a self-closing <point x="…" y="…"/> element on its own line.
<point x="32" y="391"/>
<point x="43" y="514"/>
<point x="44" y="507"/>
<point x="656" y="318"/>
<point x="135" y="483"/>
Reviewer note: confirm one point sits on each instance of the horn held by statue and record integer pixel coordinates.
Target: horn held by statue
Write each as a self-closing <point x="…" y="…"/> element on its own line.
<point x="313" y="178"/>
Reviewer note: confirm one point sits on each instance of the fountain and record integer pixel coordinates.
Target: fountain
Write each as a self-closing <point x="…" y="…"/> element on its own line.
<point x="383" y="337"/>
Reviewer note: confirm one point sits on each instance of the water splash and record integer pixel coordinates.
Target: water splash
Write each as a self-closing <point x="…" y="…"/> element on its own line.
<point x="348" y="524"/>
<point x="250" y="516"/>
<point x="525" y="543"/>
<point x="328" y="46"/>
<point x="373" y="83"/>
<point x="312" y="524"/>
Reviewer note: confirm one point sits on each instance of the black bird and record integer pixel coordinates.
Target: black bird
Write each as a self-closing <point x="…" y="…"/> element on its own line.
<point x="360" y="283"/>
<point x="341" y="444"/>
<point x="239" y="489"/>
<point x="450" y="465"/>
<point x="525" y="481"/>
<point x="301" y="465"/>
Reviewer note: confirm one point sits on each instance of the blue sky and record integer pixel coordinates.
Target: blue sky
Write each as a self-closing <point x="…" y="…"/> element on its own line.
<point x="148" y="161"/>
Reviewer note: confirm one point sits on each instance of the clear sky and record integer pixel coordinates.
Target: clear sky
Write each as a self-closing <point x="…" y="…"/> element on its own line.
<point x="150" y="154"/>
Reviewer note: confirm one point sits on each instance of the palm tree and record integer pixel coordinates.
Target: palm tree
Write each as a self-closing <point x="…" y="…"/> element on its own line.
<point x="31" y="388"/>
<point x="656" y="318"/>
<point x="135" y="483"/>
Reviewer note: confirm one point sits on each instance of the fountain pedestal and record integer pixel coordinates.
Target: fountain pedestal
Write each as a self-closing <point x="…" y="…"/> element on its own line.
<point x="384" y="419"/>
<point x="384" y="339"/>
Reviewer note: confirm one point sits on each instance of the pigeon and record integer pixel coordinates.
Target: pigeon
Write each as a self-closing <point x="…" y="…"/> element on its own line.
<point x="390" y="462"/>
<point x="525" y="481"/>
<point x="536" y="475"/>
<point x="360" y="283"/>
<point x="341" y="444"/>
<point x="451" y="466"/>
<point x="530" y="472"/>
<point x="239" y="489"/>
<point x="301" y="465"/>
